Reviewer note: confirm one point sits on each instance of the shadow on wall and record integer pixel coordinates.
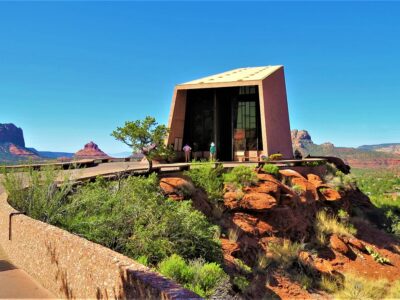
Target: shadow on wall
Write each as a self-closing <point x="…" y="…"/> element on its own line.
<point x="6" y="266"/>
<point x="134" y="284"/>
<point x="61" y="275"/>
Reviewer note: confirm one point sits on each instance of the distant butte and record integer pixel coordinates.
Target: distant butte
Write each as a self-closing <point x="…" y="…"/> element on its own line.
<point x="90" y="150"/>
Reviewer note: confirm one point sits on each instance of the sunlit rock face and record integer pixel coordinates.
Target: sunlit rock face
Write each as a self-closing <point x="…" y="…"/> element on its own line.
<point x="90" y="150"/>
<point x="9" y="133"/>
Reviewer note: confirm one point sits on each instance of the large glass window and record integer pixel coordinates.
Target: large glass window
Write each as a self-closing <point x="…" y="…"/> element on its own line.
<point x="245" y="126"/>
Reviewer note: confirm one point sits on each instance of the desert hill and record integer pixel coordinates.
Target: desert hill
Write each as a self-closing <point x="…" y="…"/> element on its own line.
<point x="90" y="150"/>
<point x="361" y="157"/>
<point x="389" y="148"/>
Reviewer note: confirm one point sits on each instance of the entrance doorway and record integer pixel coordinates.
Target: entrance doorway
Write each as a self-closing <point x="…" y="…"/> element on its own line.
<point x="229" y="117"/>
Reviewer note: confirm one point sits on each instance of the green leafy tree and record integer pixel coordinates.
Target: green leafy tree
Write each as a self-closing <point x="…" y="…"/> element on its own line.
<point x="145" y="136"/>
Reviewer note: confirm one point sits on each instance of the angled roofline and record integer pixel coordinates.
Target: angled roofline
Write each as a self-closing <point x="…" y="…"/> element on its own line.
<point x="218" y="80"/>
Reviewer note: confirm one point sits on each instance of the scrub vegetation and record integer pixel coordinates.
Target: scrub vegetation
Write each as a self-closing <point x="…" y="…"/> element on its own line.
<point x="383" y="189"/>
<point x="132" y="217"/>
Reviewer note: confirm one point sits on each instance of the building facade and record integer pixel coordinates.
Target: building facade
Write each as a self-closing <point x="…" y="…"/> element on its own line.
<point x="243" y="111"/>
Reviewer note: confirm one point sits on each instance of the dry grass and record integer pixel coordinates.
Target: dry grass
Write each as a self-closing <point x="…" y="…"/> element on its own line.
<point x="285" y="253"/>
<point x="326" y="224"/>
<point x="359" y="288"/>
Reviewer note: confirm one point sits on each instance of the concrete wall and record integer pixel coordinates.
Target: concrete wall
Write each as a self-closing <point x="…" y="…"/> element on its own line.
<point x="176" y="120"/>
<point x="72" y="267"/>
<point x="275" y="116"/>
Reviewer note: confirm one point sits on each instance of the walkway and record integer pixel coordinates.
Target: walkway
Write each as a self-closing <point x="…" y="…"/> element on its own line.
<point x="15" y="283"/>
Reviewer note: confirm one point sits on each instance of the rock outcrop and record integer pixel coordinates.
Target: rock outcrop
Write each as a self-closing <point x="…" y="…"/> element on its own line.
<point x="374" y="156"/>
<point x="90" y="150"/>
<point x="9" y="133"/>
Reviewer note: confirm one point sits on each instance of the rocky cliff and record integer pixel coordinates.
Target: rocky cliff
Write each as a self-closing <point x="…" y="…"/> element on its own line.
<point x="9" y="133"/>
<point x="90" y="150"/>
<point x="362" y="157"/>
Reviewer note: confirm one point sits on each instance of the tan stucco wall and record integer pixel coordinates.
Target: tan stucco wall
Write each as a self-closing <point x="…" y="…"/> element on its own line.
<point x="275" y="125"/>
<point x="176" y="120"/>
<point x="72" y="267"/>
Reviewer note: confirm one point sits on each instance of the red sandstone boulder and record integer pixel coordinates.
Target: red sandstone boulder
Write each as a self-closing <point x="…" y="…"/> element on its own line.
<point x="308" y="187"/>
<point x="257" y="201"/>
<point x="176" y="188"/>
<point x="290" y="173"/>
<point x="356" y="243"/>
<point x="267" y="187"/>
<point x="318" y="264"/>
<point x="337" y="244"/>
<point x="231" y="199"/>
<point x="315" y="180"/>
<point x="330" y="194"/>
<point x="251" y="224"/>
<point x="266" y="177"/>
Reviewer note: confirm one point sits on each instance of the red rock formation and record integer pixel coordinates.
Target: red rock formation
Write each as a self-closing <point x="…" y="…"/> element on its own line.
<point x="20" y="151"/>
<point x="90" y="150"/>
<point x="9" y="133"/>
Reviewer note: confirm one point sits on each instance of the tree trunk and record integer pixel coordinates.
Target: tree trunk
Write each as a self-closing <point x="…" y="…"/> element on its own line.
<point x="150" y="167"/>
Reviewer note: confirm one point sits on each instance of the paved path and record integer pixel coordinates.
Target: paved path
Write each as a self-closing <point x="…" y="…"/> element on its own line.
<point x="15" y="283"/>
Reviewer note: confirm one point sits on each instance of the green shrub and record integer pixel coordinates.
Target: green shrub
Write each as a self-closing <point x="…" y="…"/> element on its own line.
<point x="241" y="283"/>
<point x="197" y="275"/>
<point x="136" y="220"/>
<point x="326" y="224"/>
<point x="241" y="176"/>
<point x="297" y="189"/>
<point x="242" y="267"/>
<point x="271" y="169"/>
<point x="37" y="194"/>
<point x="175" y="267"/>
<point x="131" y="217"/>
<point x="377" y="256"/>
<point x="209" y="178"/>
<point x="276" y="156"/>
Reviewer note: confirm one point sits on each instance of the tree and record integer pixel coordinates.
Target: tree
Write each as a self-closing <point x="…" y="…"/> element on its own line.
<point x="145" y="136"/>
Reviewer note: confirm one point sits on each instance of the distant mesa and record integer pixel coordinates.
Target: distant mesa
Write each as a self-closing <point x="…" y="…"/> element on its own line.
<point x="90" y="150"/>
<point x="9" y="133"/>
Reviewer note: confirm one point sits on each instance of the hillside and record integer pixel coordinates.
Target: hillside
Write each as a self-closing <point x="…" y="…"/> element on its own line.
<point x="362" y="157"/>
<point x="388" y="148"/>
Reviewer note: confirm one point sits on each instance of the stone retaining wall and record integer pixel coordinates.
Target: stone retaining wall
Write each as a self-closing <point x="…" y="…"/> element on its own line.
<point x="72" y="267"/>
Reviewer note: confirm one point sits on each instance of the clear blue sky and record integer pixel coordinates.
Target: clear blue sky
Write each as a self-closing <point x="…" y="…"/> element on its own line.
<point x="72" y="72"/>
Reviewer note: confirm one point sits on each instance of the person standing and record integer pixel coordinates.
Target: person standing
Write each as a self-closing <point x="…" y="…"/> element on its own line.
<point x="187" y="151"/>
<point x="213" y="150"/>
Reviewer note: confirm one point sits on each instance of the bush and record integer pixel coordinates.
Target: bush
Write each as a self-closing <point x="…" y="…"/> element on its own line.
<point x="131" y="217"/>
<point x="271" y="169"/>
<point x="285" y="253"/>
<point x="241" y="283"/>
<point x="241" y="176"/>
<point x="326" y="224"/>
<point x="297" y="189"/>
<point x="201" y="277"/>
<point x="209" y="178"/>
<point x="276" y="156"/>
<point x="377" y="256"/>
<point x="36" y="194"/>
<point x="241" y="266"/>
<point x="136" y="220"/>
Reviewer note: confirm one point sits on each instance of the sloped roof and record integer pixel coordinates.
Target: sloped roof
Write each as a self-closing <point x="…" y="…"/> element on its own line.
<point x="236" y="75"/>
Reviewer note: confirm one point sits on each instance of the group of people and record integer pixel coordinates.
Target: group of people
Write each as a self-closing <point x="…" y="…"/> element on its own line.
<point x="187" y="150"/>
